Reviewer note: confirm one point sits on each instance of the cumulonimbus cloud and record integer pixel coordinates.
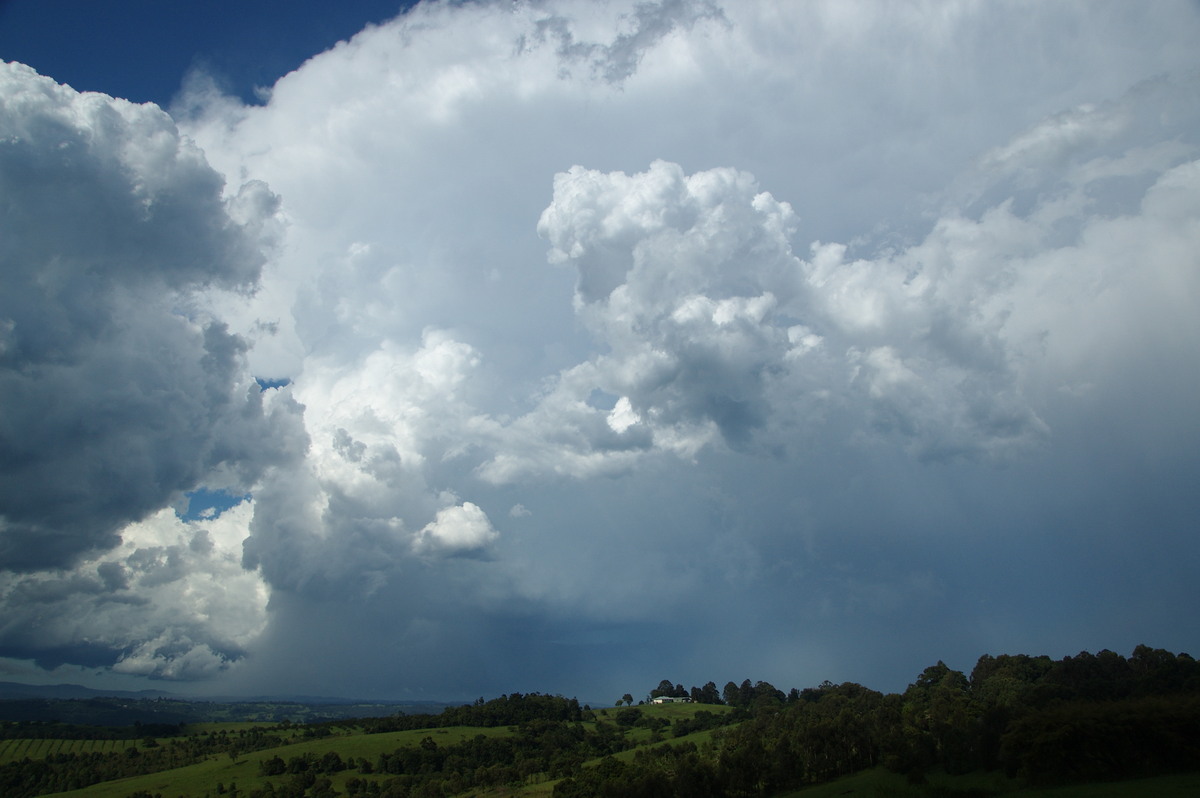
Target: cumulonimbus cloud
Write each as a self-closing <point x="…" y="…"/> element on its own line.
<point x="783" y="251"/>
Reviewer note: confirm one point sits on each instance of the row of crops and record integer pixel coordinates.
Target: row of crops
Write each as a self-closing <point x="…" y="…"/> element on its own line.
<point x="16" y="750"/>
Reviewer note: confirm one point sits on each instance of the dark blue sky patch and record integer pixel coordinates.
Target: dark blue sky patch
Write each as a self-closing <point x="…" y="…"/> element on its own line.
<point x="142" y="49"/>
<point x="205" y="503"/>
<point x="266" y="383"/>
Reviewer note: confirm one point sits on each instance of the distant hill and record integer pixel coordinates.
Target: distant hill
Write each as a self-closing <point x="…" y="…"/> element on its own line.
<point x="75" y="704"/>
<point x="16" y="690"/>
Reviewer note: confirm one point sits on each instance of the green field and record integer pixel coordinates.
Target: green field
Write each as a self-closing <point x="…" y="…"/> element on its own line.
<point x="205" y="777"/>
<point x="219" y="773"/>
<point x="216" y="772"/>
<point x="16" y="750"/>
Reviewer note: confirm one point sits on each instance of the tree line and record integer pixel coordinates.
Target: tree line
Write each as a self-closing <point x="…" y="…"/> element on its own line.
<point x="507" y="710"/>
<point x="734" y="695"/>
<point x="1081" y="718"/>
<point x="61" y="772"/>
<point x="1089" y="717"/>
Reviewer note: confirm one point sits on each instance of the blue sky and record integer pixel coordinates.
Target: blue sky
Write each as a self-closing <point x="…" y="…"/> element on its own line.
<point x="570" y="346"/>
<point x="142" y="49"/>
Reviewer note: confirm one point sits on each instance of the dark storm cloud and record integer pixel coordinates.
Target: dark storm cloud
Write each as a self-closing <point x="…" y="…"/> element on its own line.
<point x="117" y="389"/>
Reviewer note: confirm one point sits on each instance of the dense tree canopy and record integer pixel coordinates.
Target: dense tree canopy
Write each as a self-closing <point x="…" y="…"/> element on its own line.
<point x="1086" y="717"/>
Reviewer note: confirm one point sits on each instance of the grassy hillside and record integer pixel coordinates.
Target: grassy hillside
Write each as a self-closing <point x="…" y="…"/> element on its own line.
<point x="654" y="727"/>
<point x="352" y="745"/>
<point x="205" y="778"/>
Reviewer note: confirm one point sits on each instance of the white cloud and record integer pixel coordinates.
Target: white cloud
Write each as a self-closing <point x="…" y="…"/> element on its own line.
<point x="691" y="287"/>
<point x="456" y="531"/>
<point x="622" y="416"/>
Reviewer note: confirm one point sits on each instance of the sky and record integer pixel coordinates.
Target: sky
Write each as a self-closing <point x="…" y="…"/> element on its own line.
<point x="566" y="346"/>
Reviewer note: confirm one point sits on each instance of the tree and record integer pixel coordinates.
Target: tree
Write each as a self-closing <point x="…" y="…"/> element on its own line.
<point x="628" y="699"/>
<point x="730" y="694"/>
<point x="940" y="717"/>
<point x="768" y="691"/>
<point x="665" y="688"/>
<point x="745" y="693"/>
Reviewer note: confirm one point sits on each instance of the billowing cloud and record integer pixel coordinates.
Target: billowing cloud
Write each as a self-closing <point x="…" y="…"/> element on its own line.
<point x="119" y="389"/>
<point x="171" y="601"/>
<point x="612" y="329"/>
<point x="709" y="320"/>
<point x="457" y="530"/>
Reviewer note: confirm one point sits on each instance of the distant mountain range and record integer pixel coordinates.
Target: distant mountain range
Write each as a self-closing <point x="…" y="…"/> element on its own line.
<point x="75" y="704"/>
<point x="10" y="691"/>
<point x="15" y="690"/>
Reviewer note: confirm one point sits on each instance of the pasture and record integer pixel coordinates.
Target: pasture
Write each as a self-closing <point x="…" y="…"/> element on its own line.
<point x="26" y="748"/>
<point x="217" y="772"/>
